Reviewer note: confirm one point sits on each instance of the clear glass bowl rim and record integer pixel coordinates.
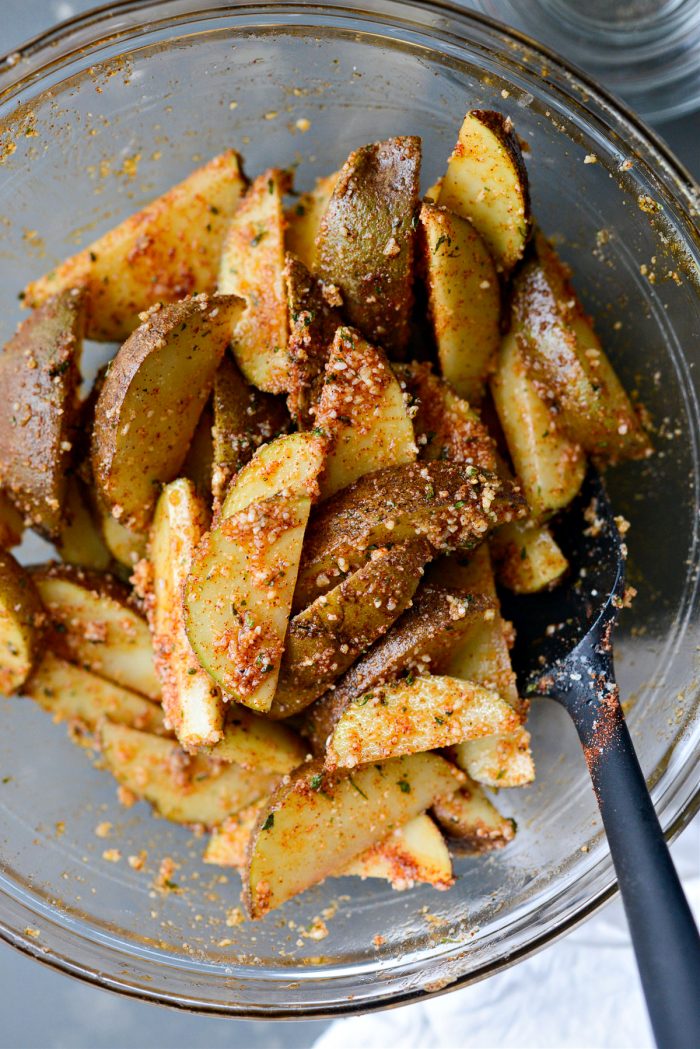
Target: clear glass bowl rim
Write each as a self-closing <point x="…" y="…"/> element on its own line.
<point x="53" y="49"/>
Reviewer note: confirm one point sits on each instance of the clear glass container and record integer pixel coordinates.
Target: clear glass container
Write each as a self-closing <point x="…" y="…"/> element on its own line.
<point x="108" y="110"/>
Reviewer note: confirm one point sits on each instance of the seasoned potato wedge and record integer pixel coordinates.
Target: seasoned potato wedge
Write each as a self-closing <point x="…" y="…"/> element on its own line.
<point x="252" y="266"/>
<point x="568" y="364"/>
<point x="362" y="409"/>
<point x="549" y="465"/>
<point x="125" y="546"/>
<point x="258" y="743"/>
<point x="486" y="182"/>
<point x="73" y="694"/>
<point x="291" y="464"/>
<point x="93" y="623"/>
<point x="472" y="822"/>
<point x="181" y="788"/>
<point x="527" y="557"/>
<point x="151" y="401"/>
<point x="239" y="594"/>
<point x="243" y="419"/>
<point x="192" y="702"/>
<point x="39" y="379"/>
<point x="199" y="461"/>
<point x="419" y="641"/>
<point x="464" y="299"/>
<point x="304" y="219"/>
<point x="365" y="244"/>
<point x="451" y="505"/>
<point x="498" y="761"/>
<point x="80" y="541"/>
<point x="312" y="325"/>
<point x="168" y="250"/>
<point x="410" y="855"/>
<point x="324" y="639"/>
<point x="414" y="715"/>
<point x="445" y="426"/>
<point x="348" y="813"/>
<point x="21" y="619"/>
<point x="228" y="843"/>
<point x="11" y="523"/>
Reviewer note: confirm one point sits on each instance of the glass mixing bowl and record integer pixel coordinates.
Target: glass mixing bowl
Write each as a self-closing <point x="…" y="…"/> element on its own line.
<point x="106" y="111"/>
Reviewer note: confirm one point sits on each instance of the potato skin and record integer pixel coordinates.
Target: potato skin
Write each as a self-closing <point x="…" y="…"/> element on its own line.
<point x="312" y="325"/>
<point x="39" y="378"/>
<point x="365" y="245"/>
<point x="151" y="401"/>
<point x="21" y="619"/>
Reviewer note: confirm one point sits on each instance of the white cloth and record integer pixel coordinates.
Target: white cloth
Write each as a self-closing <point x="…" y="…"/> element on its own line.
<point x="580" y="993"/>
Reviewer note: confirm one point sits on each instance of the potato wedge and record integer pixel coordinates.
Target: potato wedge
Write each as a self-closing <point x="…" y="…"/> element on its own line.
<point x="151" y="401"/>
<point x="365" y="243"/>
<point x="199" y="461"/>
<point x="291" y="464"/>
<point x="80" y="541"/>
<point x="549" y="465"/>
<point x="11" y="523"/>
<point x="445" y="426"/>
<point x="243" y="419"/>
<point x="239" y="594"/>
<point x="418" y="642"/>
<point x="181" y="788"/>
<point x="464" y="299"/>
<point x="414" y="715"/>
<point x="568" y="364"/>
<point x="324" y="639"/>
<point x="304" y="219"/>
<point x="39" y="378"/>
<point x="192" y="702"/>
<point x="21" y="620"/>
<point x="168" y="250"/>
<point x="257" y="743"/>
<point x="527" y="557"/>
<point x="362" y="409"/>
<point x="75" y="695"/>
<point x="486" y="182"/>
<point x="126" y="547"/>
<point x="412" y="854"/>
<point x="472" y="822"/>
<point x="252" y="265"/>
<point x="348" y="813"/>
<point x="451" y="505"/>
<point x="92" y="622"/>
<point x="498" y="761"/>
<point x="313" y="323"/>
<point x="228" y="843"/>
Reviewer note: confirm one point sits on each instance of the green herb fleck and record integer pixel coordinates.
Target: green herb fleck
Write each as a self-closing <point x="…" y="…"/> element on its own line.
<point x="352" y="781"/>
<point x="404" y="786"/>
<point x="269" y="821"/>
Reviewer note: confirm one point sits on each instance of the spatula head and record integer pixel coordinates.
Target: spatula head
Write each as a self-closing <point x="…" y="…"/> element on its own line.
<point x="555" y="625"/>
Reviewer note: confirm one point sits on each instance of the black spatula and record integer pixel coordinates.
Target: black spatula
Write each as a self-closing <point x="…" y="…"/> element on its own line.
<point x="564" y="651"/>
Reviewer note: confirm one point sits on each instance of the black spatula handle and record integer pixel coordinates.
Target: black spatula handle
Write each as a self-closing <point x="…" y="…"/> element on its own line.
<point x="665" y="939"/>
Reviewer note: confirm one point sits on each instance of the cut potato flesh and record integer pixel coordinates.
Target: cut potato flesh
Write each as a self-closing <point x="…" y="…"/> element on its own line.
<point x="348" y="813"/>
<point x="365" y="244"/>
<point x="239" y="594"/>
<point x="92" y="623"/>
<point x="168" y="250"/>
<point x="412" y="854"/>
<point x="151" y="401"/>
<point x="304" y="220"/>
<point x="75" y="695"/>
<point x="80" y="541"/>
<point x="324" y="639"/>
<point x="498" y="761"/>
<point x="257" y="743"/>
<point x="181" y="788"/>
<point x="228" y="844"/>
<point x="452" y="505"/>
<point x="243" y="419"/>
<point x="527" y="558"/>
<point x="290" y="465"/>
<point x="11" y="523"/>
<point x="472" y="821"/>
<point x="21" y="618"/>
<point x="252" y="266"/>
<point x="550" y="466"/>
<point x="486" y="182"/>
<point x="191" y="700"/>
<point x="362" y="409"/>
<point x="414" y="715"/>
<point x="39" y="379"/>
<point x="568" y="364"/>
<point x="126" y="547"/>
<point x="464" y="299"/>
<point x="312" y="327"/>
